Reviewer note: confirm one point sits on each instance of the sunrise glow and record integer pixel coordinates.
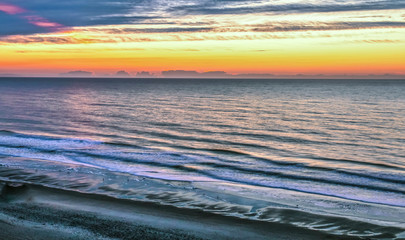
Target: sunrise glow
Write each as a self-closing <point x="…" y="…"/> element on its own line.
<point x="287" y="37"/>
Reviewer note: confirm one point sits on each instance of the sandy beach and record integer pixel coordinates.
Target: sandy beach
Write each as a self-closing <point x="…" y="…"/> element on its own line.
<point x="34" y="212"/>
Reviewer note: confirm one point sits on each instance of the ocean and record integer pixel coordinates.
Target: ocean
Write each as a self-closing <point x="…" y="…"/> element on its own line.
<point x="327" y="155"/>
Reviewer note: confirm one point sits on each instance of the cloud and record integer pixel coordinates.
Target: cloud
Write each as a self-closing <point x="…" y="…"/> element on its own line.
<point x="214" y="74"/>
<point x="144" y="74"/>
<point x="72" y="13"/>
<point x="380" y="41"/>
<point x="158" y="30"/>
<point x="179" y="74"/>
<point x="13" y="25"/>
<point x="78" y="73"/>
<point x="42" y="16"/>
<point x="318" y="26"/>
<point x="246" y="7"/>
<point x="268" y="30"/>
<point x="42" y="22"/>
<point x="8" y="75"/>
<point x="26" y="17"/>
<point x="40" y="39"/>
<point x="76" y="13"/>
<point x="10" y="9"/>
<point x="122" y="73"/>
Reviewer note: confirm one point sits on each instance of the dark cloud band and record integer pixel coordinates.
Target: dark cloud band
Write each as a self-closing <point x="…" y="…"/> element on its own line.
<point x="79" y="13"/>
<point x="224" y="7"/>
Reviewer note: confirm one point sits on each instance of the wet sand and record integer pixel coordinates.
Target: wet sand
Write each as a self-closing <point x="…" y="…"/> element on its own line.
<point x="36" y="212"/>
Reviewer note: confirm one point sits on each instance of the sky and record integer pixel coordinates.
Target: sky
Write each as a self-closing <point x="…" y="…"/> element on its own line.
<point x="279" y="37"/>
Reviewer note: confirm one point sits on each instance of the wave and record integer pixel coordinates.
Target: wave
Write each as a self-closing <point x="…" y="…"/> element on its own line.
<point x="228" y="182"/>
<point x="166" y="165"/>
<point x="255" y="144"/>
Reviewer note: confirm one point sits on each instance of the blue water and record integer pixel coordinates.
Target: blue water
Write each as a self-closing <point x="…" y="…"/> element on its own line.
<point x="328" y="147"/>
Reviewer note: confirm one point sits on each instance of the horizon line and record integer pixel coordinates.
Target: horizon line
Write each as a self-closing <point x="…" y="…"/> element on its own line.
<point x="278" y="77"/>
<point x="191" y="74"/>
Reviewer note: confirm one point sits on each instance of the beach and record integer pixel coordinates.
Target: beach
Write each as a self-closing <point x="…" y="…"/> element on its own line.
<point x="35" y="212"/>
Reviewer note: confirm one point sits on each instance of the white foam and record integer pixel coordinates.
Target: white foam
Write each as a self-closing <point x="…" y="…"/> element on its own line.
<point x="47" y="143"/>
<point x="33" y="154"/>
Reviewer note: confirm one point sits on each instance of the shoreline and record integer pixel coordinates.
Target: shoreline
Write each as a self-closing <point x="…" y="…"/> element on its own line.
<point x="45" y="213"/>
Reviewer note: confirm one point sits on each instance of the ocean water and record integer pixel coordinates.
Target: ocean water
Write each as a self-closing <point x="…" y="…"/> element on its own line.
<point x="327" y="155"/>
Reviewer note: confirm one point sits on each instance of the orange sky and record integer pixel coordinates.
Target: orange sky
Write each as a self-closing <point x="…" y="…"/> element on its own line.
<point x="294" y="43"/>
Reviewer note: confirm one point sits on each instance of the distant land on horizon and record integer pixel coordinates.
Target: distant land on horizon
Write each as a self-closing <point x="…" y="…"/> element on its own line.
<point x="207" y="75"/>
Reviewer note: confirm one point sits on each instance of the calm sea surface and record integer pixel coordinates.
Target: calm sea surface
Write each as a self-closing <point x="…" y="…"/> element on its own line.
<point x="333" y="150"/>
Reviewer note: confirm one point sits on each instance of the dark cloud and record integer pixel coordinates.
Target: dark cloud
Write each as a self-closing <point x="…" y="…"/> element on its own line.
<point x="78" y="73"/>
<point x="156" y="30"/>
<point x="144" y="74"/>
<point x="47" y="39"/>
<point x="122" y="73"/>
<point x="74" y="13"/>
<point x="8" y="75"/>
<point x="81" y="13"/>
<point x="214" y="74"/>
<point x="315" y="26"/>
<point x="269" y="30"/>
<point x="13" y="25"/>
<point x="180" y="74"/>
<point x="225" y="7"/>
<point x="194" y="74"/>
